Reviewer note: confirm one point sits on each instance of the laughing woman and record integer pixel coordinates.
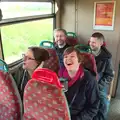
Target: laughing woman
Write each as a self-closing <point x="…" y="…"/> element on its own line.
<point x="83" y="93"/>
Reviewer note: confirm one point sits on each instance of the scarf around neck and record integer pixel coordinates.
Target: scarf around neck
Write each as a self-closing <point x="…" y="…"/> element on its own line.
<point x="79" y="74"/>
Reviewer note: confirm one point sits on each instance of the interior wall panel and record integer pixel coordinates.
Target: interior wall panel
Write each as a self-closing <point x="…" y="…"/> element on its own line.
<point x="85" y="13"/>
<point x="68" y="15"/>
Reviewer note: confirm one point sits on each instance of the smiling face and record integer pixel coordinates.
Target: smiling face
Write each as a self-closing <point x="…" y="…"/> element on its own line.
<point x="71" y="61"/>
<point x="95" y="44"/>
<point x="29" y="62"/>
<point x="60" y="38"/>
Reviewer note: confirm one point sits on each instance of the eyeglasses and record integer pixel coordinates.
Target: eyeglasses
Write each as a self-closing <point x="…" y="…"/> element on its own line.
<point x="26" y="57"/>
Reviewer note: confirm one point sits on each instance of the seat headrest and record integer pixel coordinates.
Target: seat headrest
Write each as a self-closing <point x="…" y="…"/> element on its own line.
<point x="3" y="66"/>
<point x="46" y="75"/>
<point x="89" y="62"/>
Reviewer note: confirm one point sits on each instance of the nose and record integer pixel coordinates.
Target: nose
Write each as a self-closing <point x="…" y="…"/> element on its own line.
<point x="25" y="58"/>
<point x="59" y="38"/>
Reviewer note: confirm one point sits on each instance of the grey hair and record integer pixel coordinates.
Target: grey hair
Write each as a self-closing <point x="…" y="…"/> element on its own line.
<point x="60" y="29"/>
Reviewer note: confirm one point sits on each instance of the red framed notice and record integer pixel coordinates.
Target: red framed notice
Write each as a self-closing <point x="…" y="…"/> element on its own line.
<point x="104" y="13"/>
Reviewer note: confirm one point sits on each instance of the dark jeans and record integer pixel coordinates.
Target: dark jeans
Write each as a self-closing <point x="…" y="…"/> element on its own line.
<point x="104" y="105"/>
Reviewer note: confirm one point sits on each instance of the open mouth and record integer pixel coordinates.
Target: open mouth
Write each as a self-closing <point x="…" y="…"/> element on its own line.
<point x="69" y="64"/>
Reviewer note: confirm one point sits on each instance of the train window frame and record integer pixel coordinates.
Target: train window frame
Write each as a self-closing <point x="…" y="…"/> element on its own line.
<point x="18" y="20"/>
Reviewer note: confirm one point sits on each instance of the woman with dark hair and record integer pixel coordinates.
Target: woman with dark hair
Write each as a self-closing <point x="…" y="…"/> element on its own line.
<point x="32" y="59"/>
<point x="83" y="92"/>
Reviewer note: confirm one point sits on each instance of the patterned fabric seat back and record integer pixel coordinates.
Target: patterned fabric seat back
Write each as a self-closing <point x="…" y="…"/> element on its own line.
<point x="83" y="48"/>
<point x="72" y="38"/>
<point x="52" y="63"/>
<point x="89" y="63"/>
<point x="44" y="98"/>
<point x="10" y="101"/>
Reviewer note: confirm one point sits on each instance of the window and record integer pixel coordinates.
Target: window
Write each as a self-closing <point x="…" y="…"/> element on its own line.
<point x="16" y="38"/>
<point x="21" y="9"/>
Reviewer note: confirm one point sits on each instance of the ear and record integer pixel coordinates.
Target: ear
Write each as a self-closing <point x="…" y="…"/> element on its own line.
<point x="101" y="43"/>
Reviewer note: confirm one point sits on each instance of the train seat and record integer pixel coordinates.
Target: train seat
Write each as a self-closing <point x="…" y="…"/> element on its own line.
<point x="72" y="38"/>
<point x="89" y="62"/>
<point x="83" y="48"/>
<point x="44" y="97"/>
<point x="3" y="66"/>
<point x="53" y="62"/>
<point x="10" y="101"/>
<point x="46" y="44"/>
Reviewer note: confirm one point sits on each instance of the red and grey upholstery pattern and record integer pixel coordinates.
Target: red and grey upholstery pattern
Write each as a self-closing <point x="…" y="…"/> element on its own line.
<point x="52" y="63"/>
<point x="88" y="60"/>
<point x="44" y="98"/>
<point x="10" y="101"/>
<point x="89" y="63"/>
<point x="72" y="38"/>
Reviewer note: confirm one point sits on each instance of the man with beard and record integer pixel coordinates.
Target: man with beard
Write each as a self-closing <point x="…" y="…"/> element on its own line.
<point x="60" y="36"/>
<point x="105" y="72"/>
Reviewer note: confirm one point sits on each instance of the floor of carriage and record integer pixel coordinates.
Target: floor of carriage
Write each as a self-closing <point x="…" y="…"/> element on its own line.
<point x="114" y="112"/>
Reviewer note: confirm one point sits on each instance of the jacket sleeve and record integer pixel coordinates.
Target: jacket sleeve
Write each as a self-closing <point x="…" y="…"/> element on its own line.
<point x="92" y="101"/>
<point x="108" y="74"/>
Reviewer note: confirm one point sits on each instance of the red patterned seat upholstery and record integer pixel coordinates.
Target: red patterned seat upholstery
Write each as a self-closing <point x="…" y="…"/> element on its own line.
<point x="44" y="98"/>
<point x="10" y="102"/>
<point x="72" y="39"/>
<point x="89" y="63"/>
<point x="52" y="63"/>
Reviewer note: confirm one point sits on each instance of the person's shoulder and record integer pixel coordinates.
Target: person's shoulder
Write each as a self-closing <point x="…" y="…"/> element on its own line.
<point x="89" y="77"/>
<point x="105" y="53"/>
<point x="66" y="46"/>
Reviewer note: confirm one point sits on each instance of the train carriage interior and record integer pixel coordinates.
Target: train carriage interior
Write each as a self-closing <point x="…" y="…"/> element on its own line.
<point x="25" y="23"/>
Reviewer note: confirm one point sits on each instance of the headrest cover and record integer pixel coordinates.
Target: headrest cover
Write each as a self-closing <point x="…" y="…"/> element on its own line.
<point x="46" y="75"/>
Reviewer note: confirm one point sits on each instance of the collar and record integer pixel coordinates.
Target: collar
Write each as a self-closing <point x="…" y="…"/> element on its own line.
<point x="62" y="46"/>
<point x="78" y="76"/>
<point x="96" y="53"/>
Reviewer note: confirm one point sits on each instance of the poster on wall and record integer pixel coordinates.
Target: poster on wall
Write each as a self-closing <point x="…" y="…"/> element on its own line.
<point x="104" y="13"/>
